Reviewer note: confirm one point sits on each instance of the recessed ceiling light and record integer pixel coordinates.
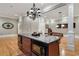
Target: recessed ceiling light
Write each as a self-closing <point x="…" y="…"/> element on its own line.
<point x="62" y="25"/>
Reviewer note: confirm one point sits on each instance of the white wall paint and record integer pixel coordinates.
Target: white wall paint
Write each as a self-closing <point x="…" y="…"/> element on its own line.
<point x="29" y="26"/>
<point x="61" y="30"/>
<point x="53" y="26"/>
<point x="76" y="30"/>
<point x="8" y="31"/>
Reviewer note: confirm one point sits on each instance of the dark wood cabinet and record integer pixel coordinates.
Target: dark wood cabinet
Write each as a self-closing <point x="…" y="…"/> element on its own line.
<point x="34" y="47"/>
<point x="53" y="49"/>
<point x="24" y="45"/>
<point x="20" y="42"/>
<point x="45" y="49"/>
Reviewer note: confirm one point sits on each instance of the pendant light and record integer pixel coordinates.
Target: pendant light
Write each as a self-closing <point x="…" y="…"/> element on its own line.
<point x="33" y="12"/>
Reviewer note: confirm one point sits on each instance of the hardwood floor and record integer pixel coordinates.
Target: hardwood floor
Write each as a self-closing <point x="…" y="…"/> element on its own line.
<point x="9" y="47"/>
<point x="65" y="51"/>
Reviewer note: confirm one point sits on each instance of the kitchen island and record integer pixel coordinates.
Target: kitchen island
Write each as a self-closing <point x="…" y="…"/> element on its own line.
<point x="39" y="45"/>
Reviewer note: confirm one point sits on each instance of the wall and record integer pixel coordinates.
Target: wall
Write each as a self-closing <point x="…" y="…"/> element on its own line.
<point x="76" y="30"/>
<point x="30" y="26"/>
<point x="8" y="31"/>
<point x="27" y="25"/>
<point x="53" y="22"/>
<point x="64" y="31"/>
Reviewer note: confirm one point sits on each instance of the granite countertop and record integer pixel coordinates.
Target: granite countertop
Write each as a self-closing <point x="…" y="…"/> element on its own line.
<point x="42" y="38"/>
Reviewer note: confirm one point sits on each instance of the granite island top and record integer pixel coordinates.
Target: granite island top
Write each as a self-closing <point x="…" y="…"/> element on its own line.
<point x="42" y="38"/>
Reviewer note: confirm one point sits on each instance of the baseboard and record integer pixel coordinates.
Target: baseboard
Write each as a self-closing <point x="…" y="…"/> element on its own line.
<point x="8" y="35"/>
<point x="71" y="47"/>
<point x="76" y="36"/>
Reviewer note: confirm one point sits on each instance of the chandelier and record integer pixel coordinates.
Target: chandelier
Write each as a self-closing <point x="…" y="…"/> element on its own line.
<point x="33" y="12"/>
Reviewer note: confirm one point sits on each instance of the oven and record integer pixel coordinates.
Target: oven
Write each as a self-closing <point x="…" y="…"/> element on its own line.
<point x="39" y="48"/>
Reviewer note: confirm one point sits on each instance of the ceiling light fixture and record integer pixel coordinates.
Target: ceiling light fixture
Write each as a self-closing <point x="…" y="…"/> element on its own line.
<point x="62" y="25"/>
<point x="60" y="16"/>
<point x="33" y="12"/>
<point x="57" y="26"/>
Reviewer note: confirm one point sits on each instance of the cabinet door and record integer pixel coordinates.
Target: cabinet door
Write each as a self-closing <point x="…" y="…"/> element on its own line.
<point x="53" y="49"/>
<point x="26" y="45"/>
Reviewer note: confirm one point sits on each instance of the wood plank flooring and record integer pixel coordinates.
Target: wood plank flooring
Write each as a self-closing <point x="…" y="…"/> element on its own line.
<point x="65" y="51"/>
<point x="9" y="47"/>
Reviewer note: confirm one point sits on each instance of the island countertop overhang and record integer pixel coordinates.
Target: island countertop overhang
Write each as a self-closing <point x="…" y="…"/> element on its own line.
<point x="42" y="38"/>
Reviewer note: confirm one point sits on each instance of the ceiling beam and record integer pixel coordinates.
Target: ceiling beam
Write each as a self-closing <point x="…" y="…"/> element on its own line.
<point x="55" y="7"/>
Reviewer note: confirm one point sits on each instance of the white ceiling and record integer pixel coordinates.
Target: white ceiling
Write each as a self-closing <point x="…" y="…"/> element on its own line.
<point x="64" y="10"/>
<point x="18" y="9"/>
<point x="13" y="10"/>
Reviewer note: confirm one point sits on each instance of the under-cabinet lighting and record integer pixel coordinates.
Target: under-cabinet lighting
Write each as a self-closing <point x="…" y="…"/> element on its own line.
<point x="62" y="25"/>
<point x="57" y="26"/>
